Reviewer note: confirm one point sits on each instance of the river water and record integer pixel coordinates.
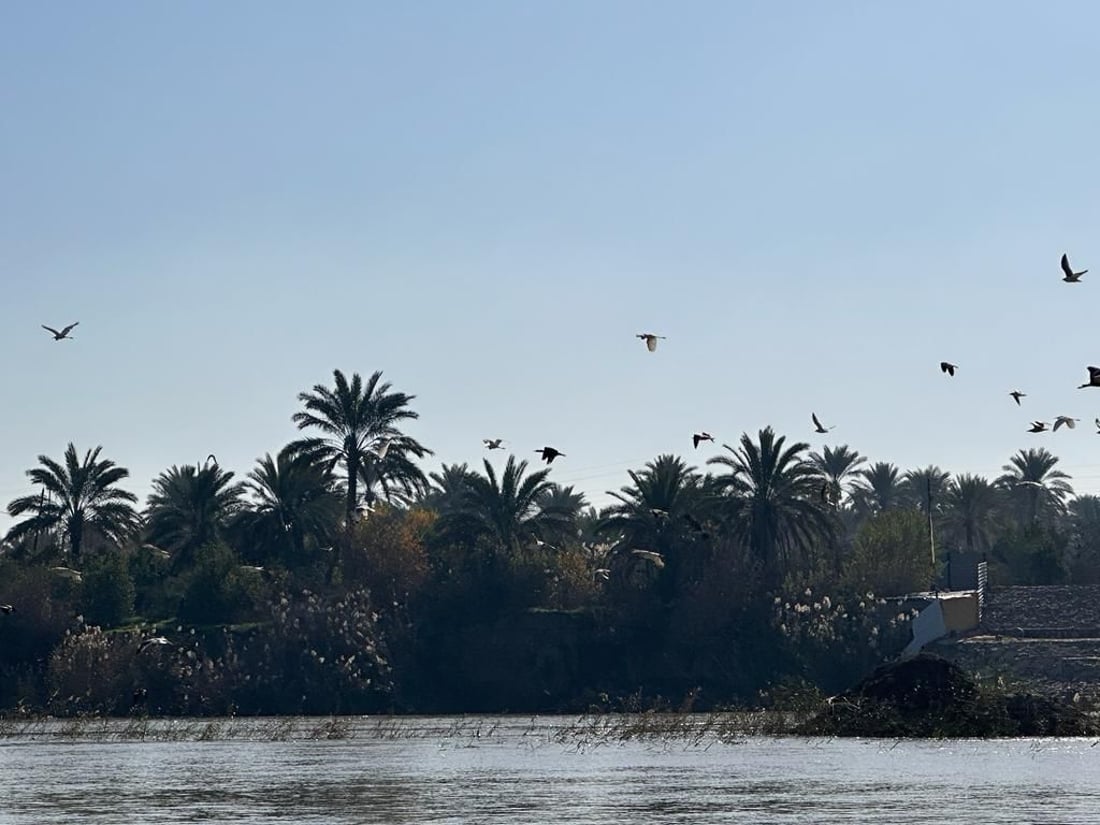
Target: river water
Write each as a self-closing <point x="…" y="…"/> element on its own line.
<point x="524" y="770"/>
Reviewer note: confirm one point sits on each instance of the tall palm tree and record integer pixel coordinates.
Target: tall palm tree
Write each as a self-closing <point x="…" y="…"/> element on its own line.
<point x="356" y="420"/>
<point x="1084" y="555"/>
<point x="775" y="499"/>
<point x="296" y="502"/>
<point x="567" y="505"/>
<point x="880" y="488"/>
<point x="506" y="511"/>
<point x="657" y="510"/>
<point x="190" y="507"/>
<point x="1034" y="485"/>
<point x="82" y="497"/>
<point x="970" y="508"/>
<point x="926" y="486"/>
<point x="837" y="466"/>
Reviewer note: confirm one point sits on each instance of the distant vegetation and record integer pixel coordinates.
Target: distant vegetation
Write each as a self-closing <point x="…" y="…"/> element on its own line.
<point x="343" y="575"/>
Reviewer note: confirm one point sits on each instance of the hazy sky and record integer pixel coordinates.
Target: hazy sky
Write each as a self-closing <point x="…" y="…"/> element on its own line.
<point x="815" y="202"/>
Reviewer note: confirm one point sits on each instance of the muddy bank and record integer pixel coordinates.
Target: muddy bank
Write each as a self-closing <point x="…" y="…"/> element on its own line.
<point x="927" y="696"/>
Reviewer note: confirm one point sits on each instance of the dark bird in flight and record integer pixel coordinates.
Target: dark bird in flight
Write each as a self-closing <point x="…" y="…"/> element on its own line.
<point x="1017" y="395"/>
<point x="948" y="367"/>
<point x="1065" y="419"/>
<point x="1094" y="378"/>
<point x="493" y="443"/>
<point x="818" y="426"/>
<point x="1071" y="277"/>
<point x="61" y="336"/>
<point x="703" y="436"/>
<point x="1037" y="427"/>
<point x="650" y="340"/>
<point x="6" y="609"/>
<point x="1098" y="426"/>
<point x="549" y="454"/>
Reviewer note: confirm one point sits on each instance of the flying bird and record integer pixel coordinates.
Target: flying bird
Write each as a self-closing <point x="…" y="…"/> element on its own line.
<point x="1037" y="427"/>
<point x="6" y="609"/>
<point x="381" y="447"/>
<point x="1098" y="426"/>
<point x="1071" y="277"/>
<point x="1065" y="419"/>
<point x="1094" y="378"/>
<point x="818" y="426"/>
<point x="68" y="573"/>
<point x="650" y="556"/>
<point x="60" y="336"/>
<point x="650" y="340"/>
<point x="152" y="641"/>
<point x="948" y="367"/>
<point x="493" y="443"/>
<point x="549" y="454"/>
<point x="703" y="436"/>
<point x="1017" y="395"/>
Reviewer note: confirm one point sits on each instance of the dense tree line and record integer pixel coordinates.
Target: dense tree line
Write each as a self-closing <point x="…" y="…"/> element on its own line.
<point x="338" y="576"/>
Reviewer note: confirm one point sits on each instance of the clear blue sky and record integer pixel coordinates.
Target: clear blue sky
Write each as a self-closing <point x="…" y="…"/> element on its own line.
<point x="815" y="202"/>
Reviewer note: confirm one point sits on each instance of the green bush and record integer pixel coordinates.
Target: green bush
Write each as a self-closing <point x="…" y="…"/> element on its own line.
<point x="107" y="593"/>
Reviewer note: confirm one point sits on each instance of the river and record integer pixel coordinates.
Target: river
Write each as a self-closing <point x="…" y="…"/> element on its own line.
<point x="524" y="770"/>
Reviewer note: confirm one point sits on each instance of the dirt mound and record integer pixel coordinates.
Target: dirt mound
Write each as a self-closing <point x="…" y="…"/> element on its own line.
<point x="927" y="696"/>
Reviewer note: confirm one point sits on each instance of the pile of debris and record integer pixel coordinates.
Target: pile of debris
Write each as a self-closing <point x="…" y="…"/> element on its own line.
<point x="927" y="696"/>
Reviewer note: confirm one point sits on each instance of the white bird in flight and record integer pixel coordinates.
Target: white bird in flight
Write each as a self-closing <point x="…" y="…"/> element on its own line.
<point x="1065" y="419"/>
<point x="650" y="340"/>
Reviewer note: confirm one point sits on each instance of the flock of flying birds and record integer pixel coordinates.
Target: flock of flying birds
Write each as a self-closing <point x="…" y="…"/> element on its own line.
<point x="1070" y="276"/>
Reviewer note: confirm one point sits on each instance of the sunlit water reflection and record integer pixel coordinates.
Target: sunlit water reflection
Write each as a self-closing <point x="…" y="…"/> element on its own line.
<point x="517" y="770"/>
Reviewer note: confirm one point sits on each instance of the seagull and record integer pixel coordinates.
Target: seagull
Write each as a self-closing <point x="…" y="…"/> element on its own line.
<point x="1038" y="427"/>
<point x="1094" y="378"/>
<point x="381" y="447"/>
<point x="6" y="609"/>
<point x="61" y="336"/>
<point x="650" y="340"/>
<point x="1017" y="395"/>
<point x="948" y="367"/>
<point x="1065" y="419"/>
<point x="159" y="552"/>
<point x="147" y="644"/>
<point x="1071" y="276"/>
<point x="649" y="556"/>
<point x="703" y="436"/>
<point x="818" y="426"/>
<point x="68" y="573"/>
<point x="493" y="443"/>
<point x="549" y="454"/>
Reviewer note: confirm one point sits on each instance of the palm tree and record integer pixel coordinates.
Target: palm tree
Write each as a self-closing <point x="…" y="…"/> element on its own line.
<point x="1033" y="483"/>
<point x="507" y="511"/>
<point x="1084" y="522"/>
<point x="356" y="420"/>
<point x="81" y="496"/>
<point x="658" y="509"/>
<point x="969" y="512"/>
<point x="394" y="478"/>
<point x="926" y="486"/>
<point x="296" y="502"/>
<point x="190" y="507"/>
<point x="775" y="499"/>
<point x="880" y="488"/>
<point x="446" y="489"/>
<point x="837" y="467"/>
<point x="566" y="505"/>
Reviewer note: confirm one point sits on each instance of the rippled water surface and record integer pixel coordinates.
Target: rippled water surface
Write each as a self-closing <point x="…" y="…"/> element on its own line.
<point x="529" y="771"/>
